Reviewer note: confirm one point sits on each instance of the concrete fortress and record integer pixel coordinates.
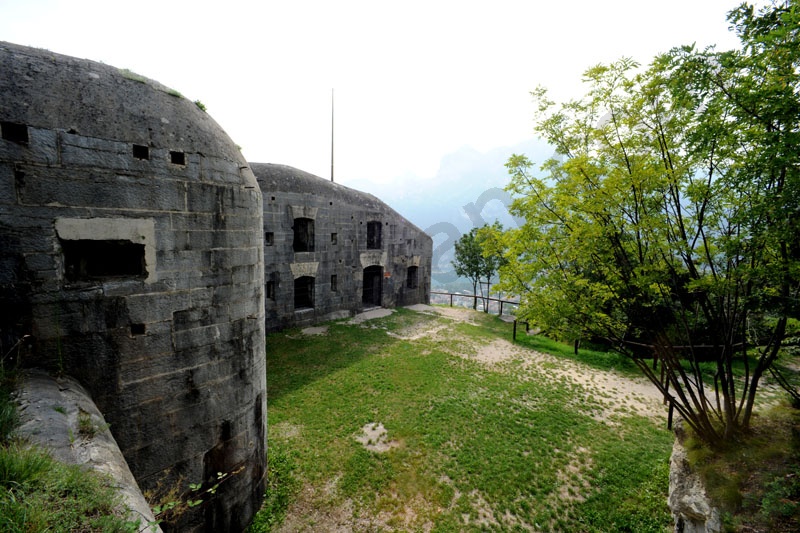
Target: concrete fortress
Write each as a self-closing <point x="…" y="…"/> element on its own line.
<point x="137" y="256"/>
<point x="131" y="256"/>
<point x="331" y="251"/>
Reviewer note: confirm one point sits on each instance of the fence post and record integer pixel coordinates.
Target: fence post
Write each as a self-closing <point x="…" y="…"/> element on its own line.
<point x="514" y="336"/>
<point x="669" y="417"/>
<point x="501" y="308"/>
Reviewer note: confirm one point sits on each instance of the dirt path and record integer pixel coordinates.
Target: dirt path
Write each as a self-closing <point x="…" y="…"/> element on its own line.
<point x="618" y="394"/>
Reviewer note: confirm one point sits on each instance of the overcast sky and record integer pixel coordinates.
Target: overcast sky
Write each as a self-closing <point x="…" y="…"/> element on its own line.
<point x="414" y="80"/>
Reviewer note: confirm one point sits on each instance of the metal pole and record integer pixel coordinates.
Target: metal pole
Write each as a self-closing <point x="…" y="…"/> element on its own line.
<point x="331" y="134"/>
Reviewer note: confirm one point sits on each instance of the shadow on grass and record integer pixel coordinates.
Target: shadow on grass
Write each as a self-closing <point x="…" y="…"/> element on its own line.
<point x="295" y="359"/>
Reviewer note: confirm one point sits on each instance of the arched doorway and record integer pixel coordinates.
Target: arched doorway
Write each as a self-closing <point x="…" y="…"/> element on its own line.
<point x="373" y="280"/>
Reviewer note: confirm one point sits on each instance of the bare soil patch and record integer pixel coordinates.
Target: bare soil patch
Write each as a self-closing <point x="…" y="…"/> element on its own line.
<point x="374" y="438"/>
<point x="617" y="394"/>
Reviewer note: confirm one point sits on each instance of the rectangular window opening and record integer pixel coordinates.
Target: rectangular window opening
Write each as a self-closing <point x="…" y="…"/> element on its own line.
<point x="138" y="329"/>
<point x="14" y="132"/>
<point x="269" y="238"/>
<point x="303" y="235"/>
<point x="177" y="158"/>
<point x="334" y="238"/>
<point x="334" y="284"/>
<point x="374" y="235"/>
<point x="141" y="152"/>
<point x="86" y="260"/>
<point x="270" y="290"/>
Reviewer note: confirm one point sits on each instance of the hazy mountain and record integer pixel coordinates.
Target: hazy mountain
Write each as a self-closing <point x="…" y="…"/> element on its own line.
<point x="466" y="192"/>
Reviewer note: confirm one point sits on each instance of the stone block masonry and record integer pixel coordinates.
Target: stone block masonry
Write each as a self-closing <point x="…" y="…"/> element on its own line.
<point x="331" y="251"/>
<point x="141" y="255"/>
<point x="131" y="253"/>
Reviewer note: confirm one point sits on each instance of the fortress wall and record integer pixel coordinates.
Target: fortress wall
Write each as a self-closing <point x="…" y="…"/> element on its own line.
<point x="137" y="255"/>
<point x="131" y="254"/>
<point x="343" y="246"/>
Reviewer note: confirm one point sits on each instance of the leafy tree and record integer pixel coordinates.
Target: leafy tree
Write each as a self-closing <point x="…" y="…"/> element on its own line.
<point x="468" y="261"/>
<point x="668" y="223"/>
<point x="491" y="259"/>
<point x="472" y="263"/>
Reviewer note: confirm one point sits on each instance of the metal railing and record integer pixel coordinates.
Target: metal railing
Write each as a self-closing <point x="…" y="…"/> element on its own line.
<point x="476" y="297"/>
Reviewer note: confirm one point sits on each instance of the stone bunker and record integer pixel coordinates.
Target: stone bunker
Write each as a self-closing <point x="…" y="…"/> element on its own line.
<point x="331" y="251"/>
<point x="138" y="257"/>
<point x="131" y="256"/>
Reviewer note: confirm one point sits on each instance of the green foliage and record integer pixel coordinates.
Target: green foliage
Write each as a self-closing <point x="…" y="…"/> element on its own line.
<point x="8" y="417"/>
<point x="474" y="262"/>
<point x="200" y="105"/>
<point x="667" y="223"/>
<point x="169" y="503"/>
<point x="755" y="480"/>
<point x="86" y="426"/>
<point x="129" y="74"/>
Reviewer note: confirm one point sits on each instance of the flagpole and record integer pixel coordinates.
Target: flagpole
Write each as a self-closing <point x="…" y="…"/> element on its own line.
<point x="331" y="134"/>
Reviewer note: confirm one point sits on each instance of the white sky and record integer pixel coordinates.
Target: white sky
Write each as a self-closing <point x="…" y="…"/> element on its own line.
<point x="414" y="80"/>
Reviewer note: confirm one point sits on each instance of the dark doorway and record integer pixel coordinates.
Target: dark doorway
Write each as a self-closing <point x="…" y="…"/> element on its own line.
<point x="411" y="277"/>
<point x="304" y="292"/>
<point x="373" y="278"/>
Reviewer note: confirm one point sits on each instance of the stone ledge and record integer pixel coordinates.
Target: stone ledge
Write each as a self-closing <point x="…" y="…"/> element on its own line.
<point x="692" y="509"/>
<point x="50" y="409"/>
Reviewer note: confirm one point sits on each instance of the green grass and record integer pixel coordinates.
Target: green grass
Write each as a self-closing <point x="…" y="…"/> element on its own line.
<point x="477" y="448"/>
<point x="38" y="493"/>
<point x="601" y="360"/>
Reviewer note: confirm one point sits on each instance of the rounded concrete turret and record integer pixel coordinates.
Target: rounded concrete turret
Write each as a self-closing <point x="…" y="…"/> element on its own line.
<point x="131" y="258"/>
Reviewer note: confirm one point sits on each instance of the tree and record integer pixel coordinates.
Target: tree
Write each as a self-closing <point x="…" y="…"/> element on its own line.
<point x="667" y="224"/>
<point x="473" y="263"/>
<point x="468" y="262"/>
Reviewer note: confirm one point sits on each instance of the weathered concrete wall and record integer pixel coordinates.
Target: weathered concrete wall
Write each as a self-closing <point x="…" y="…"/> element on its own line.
<point x="350" y="266"/>
<point x="131" y="252"/>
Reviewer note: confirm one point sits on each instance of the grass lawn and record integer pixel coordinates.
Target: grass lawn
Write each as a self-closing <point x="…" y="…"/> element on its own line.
<point x="473" y="445"/>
